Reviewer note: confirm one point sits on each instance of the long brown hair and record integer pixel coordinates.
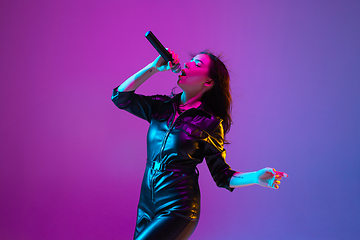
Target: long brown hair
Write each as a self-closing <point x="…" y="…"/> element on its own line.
<point x="218" y="98"/>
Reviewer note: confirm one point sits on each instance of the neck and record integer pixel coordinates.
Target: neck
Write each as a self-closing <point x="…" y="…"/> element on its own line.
<point x="190" y="100"/>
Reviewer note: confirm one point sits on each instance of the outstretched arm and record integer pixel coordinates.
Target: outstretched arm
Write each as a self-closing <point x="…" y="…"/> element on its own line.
<point x="266" y="177"/>
<point x="158" y="65"/>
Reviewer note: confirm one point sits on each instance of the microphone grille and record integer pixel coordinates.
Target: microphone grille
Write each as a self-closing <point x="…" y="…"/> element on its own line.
<point x="176" y="68"/>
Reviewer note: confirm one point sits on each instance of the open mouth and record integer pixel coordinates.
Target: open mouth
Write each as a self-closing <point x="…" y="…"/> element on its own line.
<point x="183" y="73"/>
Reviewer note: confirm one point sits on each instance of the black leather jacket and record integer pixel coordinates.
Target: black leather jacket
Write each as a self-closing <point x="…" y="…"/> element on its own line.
<point x="196" y="134"/>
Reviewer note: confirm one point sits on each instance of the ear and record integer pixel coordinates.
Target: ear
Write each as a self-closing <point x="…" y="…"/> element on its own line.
<point x="209" y="82"/>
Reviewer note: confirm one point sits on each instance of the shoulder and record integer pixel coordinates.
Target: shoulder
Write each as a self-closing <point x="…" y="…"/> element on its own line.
<point x="206" y="121"/>
<point x="158" y="97"/>
<point x="210" y="121"/>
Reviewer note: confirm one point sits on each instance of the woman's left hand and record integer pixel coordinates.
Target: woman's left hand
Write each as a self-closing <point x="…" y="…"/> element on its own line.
<point x="269" y="177"/>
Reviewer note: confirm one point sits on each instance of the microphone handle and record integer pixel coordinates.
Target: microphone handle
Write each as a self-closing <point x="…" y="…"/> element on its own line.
<point x="162" y="51"/>
<point x="158" y="46"/>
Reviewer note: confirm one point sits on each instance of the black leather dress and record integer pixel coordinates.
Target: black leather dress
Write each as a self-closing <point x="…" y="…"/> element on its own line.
<point x="169" y="204"/>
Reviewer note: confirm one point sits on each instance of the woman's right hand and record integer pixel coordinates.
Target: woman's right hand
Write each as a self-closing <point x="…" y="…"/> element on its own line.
<point x="160" y="64"/>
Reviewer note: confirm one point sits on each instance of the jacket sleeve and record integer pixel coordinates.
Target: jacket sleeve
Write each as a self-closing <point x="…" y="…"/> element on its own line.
<point x="215" y="155"/>
<point x="137" y="104"/>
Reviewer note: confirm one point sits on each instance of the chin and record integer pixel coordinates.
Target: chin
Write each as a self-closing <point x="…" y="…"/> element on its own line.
<point x="180" y="85"/>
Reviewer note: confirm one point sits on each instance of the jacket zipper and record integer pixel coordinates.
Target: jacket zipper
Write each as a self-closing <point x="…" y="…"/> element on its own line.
<point x="152" y="185"/>
<point x="167" y="135"/>
<point x="161" y="150"/>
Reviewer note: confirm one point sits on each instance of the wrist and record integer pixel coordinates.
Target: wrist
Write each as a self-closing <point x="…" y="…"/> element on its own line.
<point x="244" y="179"/>
<point x="152" y="68"/>
<point x="253" y="177"/>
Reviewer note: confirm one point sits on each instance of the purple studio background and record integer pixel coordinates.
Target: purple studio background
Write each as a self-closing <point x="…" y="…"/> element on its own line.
<point x="72" y="163"/>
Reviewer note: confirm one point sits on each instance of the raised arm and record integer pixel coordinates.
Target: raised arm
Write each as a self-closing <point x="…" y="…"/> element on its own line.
<point x="158" y="65"/>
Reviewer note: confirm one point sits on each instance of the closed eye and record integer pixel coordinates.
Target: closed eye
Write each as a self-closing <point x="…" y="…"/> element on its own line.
<point x="197" y="62"/>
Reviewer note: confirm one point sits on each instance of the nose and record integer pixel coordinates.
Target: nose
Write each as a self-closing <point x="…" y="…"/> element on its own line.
<point x="185" y="65"/>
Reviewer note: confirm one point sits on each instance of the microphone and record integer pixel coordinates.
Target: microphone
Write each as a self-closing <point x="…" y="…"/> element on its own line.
<point x="162" y="51"/>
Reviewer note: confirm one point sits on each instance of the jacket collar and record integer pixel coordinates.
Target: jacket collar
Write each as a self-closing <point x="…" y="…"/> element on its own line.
<point x="204" y="108"/>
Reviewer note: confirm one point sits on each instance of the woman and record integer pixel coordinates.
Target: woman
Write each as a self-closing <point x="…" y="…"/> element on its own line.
<point x="183" y="131"/>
